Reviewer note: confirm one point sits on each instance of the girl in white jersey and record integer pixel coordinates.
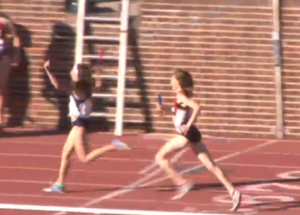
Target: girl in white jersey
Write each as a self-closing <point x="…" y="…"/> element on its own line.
<point x="186" y="110"/>
<point x="80" y="108"/>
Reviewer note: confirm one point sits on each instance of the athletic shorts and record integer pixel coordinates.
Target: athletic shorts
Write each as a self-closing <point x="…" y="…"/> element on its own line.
<point x="193" y="135"/>
<point x="81" y="122"/>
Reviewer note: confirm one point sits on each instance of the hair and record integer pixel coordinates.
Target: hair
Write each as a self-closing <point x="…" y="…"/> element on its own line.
<point x="185" y="81"/>
<point x="85" y="83"/>
<point x="83" y="88"/>
<point x="84" y="71"/>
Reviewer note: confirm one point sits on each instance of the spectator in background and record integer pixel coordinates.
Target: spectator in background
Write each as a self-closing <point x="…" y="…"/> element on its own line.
<point x="9" y="47"/>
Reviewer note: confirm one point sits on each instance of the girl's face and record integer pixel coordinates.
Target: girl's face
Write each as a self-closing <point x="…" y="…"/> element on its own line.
<point x="175" y="84"/>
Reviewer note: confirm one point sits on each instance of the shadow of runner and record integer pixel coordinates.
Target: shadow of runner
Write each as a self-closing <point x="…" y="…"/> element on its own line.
<point x="18" y="86"/>
<point x="61" y="55"/>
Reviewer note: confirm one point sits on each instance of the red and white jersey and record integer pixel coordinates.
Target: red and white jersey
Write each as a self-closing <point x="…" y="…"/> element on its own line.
<point x="182" y="114"/>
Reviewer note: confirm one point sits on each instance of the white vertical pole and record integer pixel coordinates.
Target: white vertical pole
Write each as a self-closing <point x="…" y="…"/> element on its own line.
<point x="278" y="68"/>
<point x="80" y="30"/>
<point x="122" y="67"/>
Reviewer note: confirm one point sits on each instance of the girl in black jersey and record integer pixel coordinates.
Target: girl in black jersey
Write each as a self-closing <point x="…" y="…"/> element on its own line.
<point x="186" y="110"/>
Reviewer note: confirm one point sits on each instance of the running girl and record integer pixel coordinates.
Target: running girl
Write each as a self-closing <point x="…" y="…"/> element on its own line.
<point x="80" y="108"/>
<point x="186" y="111"/>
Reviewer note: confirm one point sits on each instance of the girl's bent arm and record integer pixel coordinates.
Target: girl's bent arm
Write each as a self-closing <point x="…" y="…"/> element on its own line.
<point x="168" y="109"/>
<point x="165" y="109"/>
<point x="195" y="106"/>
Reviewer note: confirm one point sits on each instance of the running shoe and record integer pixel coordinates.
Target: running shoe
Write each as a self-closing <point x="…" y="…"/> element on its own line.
<point x="183" y="190"/>
<point x="55" y="188"/>
<point x="120" y="145"/>
<point x="236" y="200"/>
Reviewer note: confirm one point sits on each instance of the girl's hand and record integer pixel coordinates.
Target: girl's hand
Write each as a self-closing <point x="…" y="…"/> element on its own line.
<point x="160" y="108"/>
<point x="47" y="64"/>
<point x="184" y="129"/>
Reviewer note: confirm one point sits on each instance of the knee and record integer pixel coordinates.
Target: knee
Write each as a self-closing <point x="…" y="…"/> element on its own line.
<point x="160" y="159"/>
<point x="84" y="160"/>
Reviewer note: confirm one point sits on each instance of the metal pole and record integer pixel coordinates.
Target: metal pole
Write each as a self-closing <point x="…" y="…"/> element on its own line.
<point x="122" y="67"/>
<point x="278" y="68"/>
<point x="80" y="30"/>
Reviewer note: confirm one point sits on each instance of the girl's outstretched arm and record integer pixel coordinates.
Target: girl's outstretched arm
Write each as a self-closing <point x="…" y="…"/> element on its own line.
<point x="98" y="69"/>
<point x="97" y="72"/>
<point x="54" y="80"/>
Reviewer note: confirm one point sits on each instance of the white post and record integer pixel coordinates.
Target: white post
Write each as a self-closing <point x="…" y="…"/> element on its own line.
<point x="122" y="67"/>
<point x="80" y="30"/>
<point x="278" y="68"/>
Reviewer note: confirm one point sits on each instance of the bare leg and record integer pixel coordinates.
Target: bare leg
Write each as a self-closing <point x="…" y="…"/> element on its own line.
<point x="81" y="142"/>
<point x="68" y="150"/>
<point x="204" y="156"/>
<point x="95" y="154"/>
<point x="162" y="158"/>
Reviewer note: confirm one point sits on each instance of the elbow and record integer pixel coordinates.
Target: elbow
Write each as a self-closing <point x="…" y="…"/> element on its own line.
<point x="197" y="108"/>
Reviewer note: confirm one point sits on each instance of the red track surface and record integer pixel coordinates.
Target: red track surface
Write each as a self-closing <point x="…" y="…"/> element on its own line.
<point x="28" y="164"/>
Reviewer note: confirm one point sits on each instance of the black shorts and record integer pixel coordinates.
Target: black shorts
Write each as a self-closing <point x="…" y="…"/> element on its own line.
<point x="81" y="122"/>
<point x="193" y="135"/>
